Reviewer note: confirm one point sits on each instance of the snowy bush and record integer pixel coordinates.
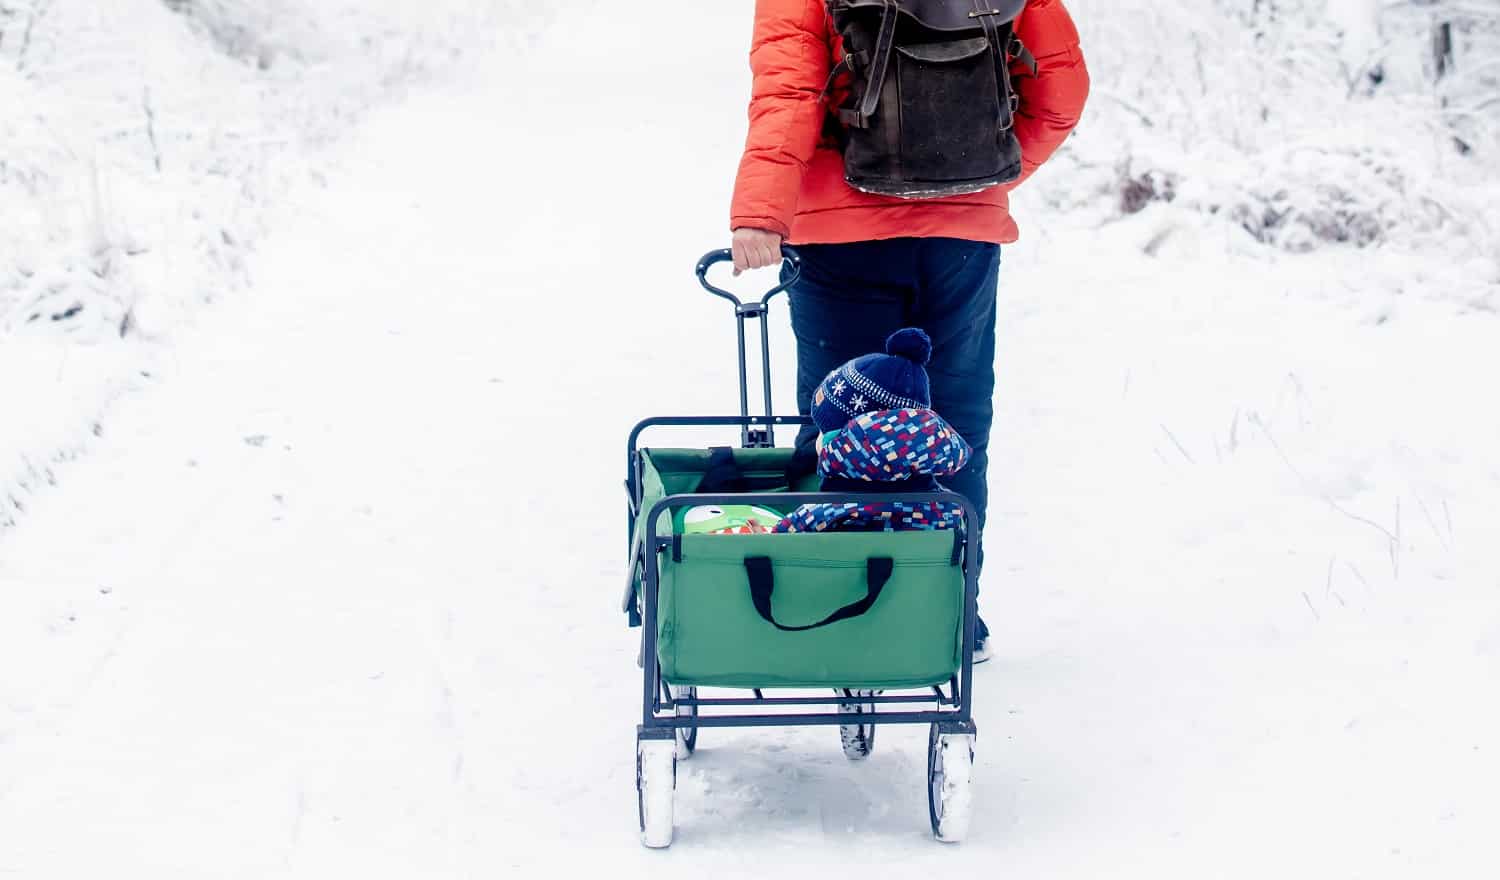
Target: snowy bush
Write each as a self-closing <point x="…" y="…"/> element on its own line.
<point x="239" y="29"/>
<point x="142" y="144"/>
<point x="1304" y="123"/>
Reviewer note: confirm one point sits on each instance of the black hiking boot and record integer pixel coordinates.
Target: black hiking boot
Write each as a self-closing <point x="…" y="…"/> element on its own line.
<point x="981" y="640"/>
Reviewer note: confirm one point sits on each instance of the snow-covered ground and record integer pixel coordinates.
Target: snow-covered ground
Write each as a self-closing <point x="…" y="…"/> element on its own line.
<point x="337" y="594"/>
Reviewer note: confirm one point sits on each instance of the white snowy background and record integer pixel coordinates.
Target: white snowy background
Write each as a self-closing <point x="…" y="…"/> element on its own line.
<point x="322" y="324"/>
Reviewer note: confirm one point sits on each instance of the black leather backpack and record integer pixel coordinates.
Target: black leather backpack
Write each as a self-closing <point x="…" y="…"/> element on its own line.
<point x="931" y="109"/>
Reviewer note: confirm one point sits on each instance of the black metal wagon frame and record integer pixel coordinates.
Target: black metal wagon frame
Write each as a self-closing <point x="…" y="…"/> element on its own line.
<point x="662" y="712"/>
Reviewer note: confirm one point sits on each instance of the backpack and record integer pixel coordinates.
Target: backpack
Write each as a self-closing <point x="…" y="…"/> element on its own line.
<point x="931" y="108"/>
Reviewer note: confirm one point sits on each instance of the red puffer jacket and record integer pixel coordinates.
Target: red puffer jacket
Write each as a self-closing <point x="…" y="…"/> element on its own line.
<point x="791" y="179"/>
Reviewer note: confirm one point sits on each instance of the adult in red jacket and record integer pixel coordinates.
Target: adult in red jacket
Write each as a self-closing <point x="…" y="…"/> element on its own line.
<point x="874" y="264"/>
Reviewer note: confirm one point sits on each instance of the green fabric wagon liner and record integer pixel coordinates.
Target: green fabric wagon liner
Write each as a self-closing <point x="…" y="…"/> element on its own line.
<point x="709" y="632"/>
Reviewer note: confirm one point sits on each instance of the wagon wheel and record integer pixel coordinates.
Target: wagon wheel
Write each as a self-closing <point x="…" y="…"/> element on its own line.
<point x="950" y="766"/>
<point x="655" y="784"/>
<point x="687" y="737"/>
<point x="857" y="738"/>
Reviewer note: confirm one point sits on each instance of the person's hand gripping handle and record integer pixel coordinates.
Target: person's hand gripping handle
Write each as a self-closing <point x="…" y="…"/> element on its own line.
<point x="755" y="249"/>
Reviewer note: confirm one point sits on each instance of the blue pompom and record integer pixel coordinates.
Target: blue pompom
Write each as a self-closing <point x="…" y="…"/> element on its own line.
<point x="911" y="343"/>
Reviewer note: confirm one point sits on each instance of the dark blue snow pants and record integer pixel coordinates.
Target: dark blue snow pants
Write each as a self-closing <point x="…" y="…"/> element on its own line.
<point x="852" y="296"/>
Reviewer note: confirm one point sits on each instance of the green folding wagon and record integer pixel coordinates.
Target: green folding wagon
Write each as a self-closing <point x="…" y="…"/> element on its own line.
<point x="850" y="630"/>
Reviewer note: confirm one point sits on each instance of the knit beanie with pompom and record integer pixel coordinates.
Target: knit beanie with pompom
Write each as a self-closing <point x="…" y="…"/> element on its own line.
<point x="874" y="382"/>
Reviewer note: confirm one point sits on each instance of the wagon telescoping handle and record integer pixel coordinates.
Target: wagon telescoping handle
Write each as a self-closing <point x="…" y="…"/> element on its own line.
<point x="791" y="262"/>
<point x="791" y="271"/>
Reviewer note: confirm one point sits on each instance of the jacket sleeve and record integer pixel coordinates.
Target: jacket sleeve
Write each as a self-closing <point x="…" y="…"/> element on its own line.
<point x="789" y="58"/>
<point x="1053" y="100"/>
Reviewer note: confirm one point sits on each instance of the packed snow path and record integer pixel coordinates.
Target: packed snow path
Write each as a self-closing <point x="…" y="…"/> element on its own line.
<point x="335" y="594"/>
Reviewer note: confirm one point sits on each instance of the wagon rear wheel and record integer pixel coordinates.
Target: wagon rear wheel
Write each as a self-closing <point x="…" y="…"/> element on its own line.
<point x="687" y="737"/>
<point x="857" y="737"/>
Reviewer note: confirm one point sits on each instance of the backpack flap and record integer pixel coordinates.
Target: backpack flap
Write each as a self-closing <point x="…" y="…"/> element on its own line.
<point x="943" y="53"/>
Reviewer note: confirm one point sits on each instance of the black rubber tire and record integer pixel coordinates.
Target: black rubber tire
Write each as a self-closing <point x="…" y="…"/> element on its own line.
<point x="655" y="814"/>
<point x="950" y="825"/>
<point x="934" y="781"/>
<point x="687" y="737"/>
<point x="858" y="740"/>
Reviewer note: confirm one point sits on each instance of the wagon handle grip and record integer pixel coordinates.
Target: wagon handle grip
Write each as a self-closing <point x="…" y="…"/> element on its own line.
<point x="763" y="583"/>
<point x="790" y="260"/>
<point x="791" y="271"/>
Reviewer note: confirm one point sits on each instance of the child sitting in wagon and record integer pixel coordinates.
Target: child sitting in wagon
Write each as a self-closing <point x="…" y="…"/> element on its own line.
<point x="880" y="436"/>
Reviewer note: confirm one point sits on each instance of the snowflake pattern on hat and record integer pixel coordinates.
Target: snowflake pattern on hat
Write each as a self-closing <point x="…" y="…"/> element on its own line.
<point x="894" y="380"/>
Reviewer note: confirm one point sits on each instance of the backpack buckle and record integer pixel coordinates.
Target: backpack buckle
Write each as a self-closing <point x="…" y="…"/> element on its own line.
<point x="853" y="118"/>
<point x="1010" y="118"/>
<point x="1017" y="50"/>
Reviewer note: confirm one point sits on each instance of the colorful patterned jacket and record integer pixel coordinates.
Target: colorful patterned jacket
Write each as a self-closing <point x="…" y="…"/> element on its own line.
<point x="886" y="452"/>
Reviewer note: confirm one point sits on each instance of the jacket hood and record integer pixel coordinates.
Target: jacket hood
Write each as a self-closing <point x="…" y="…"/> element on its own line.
<point x="892" y="445"/>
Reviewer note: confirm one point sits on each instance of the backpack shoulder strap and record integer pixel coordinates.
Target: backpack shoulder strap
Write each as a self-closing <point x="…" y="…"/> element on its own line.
<point x="880" y="64"/>
<point x="1000" y="31"/>
<point x="1019" y="52"/>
